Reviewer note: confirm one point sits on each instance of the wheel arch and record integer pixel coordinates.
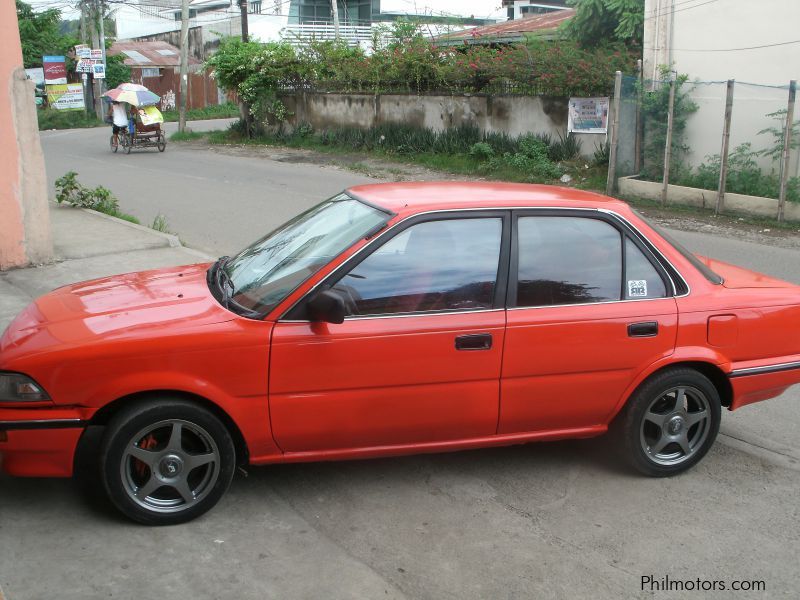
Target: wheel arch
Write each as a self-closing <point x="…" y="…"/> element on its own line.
<point x="102" y="417"/>
<point x="710" y="370"/>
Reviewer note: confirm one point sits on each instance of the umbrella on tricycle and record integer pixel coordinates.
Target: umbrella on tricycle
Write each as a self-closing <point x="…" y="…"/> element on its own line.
<point x="144" y="128"/>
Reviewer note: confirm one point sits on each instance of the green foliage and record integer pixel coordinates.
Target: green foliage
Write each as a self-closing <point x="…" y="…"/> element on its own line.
<point x="775" y="151"/>
<point x="744" y="176"/>
<point x="212" y="111"/>
<point x="160" y="224"/>
<point x="40" y="34"/>
<point x="482" y="151"/>
<point x="532" y="158"/>
<point x="598" y="22"/>
<point x="412" y="63"/>
<point x="601" y="155"/>
<point x="66" y="119"/>
<point x="655" y="110"/>
<point x="116" y="71"/>
<point x="70" y="190"/>
<point x="567" y="147"/>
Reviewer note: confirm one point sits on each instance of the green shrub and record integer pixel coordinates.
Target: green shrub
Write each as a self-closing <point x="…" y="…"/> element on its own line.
<point x="482" y="151"/>
<point x="69" y="189"/>
<point x="744" y="176"/>
<point x="567" y="147"/>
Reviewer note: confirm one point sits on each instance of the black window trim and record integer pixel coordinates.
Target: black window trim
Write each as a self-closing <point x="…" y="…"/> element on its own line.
<point x="620" y="225"/>
<point x="296" y="313"/>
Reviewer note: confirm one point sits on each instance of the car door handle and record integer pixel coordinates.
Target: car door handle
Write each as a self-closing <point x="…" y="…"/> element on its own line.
<point x="474" y="341"/>
<point x="645" y="329"/>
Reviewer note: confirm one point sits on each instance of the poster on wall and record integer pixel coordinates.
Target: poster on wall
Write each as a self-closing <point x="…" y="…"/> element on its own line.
<point x="588" y="115"/>
<point x="55" y="70"/>
<point x="67" y="96"/>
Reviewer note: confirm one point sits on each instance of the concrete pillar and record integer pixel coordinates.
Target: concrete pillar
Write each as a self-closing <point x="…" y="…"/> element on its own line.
<point x="24" y="213"/>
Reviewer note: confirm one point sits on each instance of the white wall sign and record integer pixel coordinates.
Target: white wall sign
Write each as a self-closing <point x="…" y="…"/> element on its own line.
<point x="588" y="115"/>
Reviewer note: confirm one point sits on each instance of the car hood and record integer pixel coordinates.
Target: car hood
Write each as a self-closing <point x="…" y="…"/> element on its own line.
<point x="142" y="304"/>
<point x="736" y="277"/>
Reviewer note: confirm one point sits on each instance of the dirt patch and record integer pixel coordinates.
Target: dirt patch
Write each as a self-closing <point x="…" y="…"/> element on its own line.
<point x="386" y="170"/>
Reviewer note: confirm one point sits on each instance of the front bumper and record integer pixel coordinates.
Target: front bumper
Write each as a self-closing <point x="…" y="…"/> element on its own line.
<point x="39" y="442"/>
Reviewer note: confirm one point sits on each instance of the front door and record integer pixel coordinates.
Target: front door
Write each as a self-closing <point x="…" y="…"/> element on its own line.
<point x="588" y="310"/>
<point x="418" y="357"/>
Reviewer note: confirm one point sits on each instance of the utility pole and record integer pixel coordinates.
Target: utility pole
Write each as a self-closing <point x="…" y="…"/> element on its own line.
<point x="95" y="35"/>
<point x="668" y="144"/>
<point x="102" y="48"/>
<point x="184" y="88"/>
<point x="611" y="180"/>
<point x="245" y="27"/>
<point x="335" y="14"/>
<point x="726" y="140"/>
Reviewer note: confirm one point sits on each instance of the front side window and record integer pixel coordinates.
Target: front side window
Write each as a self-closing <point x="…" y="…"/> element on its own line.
<point x="445" y="265"/>
<point x="262" y="275"/>
<point x="567" y="260"/>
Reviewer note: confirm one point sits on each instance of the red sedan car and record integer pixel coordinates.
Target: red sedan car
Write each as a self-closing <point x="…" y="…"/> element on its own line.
<point x="394" y="319"/>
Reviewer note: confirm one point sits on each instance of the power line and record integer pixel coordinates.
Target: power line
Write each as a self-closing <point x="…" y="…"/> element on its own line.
<point x="729" y="49"/>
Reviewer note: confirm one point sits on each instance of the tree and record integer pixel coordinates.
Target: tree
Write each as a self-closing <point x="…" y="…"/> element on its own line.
<point x="597" y="22"/>
<point x="40" y="34"/>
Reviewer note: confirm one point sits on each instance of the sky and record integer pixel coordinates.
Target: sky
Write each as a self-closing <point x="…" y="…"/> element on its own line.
<point x="481" y="9"/>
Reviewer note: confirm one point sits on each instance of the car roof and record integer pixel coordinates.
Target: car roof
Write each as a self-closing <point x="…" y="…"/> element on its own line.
<point x="415" y="197"/>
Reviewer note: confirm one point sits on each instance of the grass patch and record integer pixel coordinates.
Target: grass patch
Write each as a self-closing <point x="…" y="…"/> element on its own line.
<point x="66" y="119"/>
<point x="214" y="111"/>
<point x="160" y="224"/>
<point x="187" y="136"/>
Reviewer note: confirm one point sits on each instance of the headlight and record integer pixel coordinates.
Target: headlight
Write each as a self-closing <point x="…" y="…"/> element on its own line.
<point x="20" y="388"/>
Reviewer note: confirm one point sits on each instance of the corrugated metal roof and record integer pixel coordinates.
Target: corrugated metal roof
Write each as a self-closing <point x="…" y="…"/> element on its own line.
<point x="514" y="29"/>
<point x="150" y="54"/>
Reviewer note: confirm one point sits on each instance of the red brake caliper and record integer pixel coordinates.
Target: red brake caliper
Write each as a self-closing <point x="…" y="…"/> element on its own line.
<point x="147" y="443"/>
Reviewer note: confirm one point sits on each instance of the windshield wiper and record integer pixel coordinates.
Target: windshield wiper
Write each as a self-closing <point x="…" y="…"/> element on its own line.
<point x="223" y="281"/>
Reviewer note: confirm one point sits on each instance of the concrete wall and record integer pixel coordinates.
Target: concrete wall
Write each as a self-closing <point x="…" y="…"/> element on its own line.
<point x="24" y="217"/>
<point x="702" y="43"/>
<point x="514" y="115"/>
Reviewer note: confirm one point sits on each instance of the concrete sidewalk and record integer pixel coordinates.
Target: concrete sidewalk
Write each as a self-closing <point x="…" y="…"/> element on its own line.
<point x="87" y="245"/>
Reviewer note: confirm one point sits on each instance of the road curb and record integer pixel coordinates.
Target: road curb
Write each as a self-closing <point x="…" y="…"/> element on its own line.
<point x="172" y="240"/>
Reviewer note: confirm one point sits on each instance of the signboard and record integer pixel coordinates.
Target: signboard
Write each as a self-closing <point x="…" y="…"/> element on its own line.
<point x="55" y="69"/>
<point x="99" y="70"/>
<point x="37" y="76"/>
<point x="97" y="54"/>
<point x="588" y="115"/>
<point x="83" y="51"/>
<point x="67" y="96"/>
<point x="84" y="65"/>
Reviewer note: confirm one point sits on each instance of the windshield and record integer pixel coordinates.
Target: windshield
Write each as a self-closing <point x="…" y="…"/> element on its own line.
<point x="696" y="262"/>
<point x="263" y="274"/>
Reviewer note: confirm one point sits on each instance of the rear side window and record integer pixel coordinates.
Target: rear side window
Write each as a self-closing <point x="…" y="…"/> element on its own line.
<point x="641" y="278"/>
<point x="567" y="260"/>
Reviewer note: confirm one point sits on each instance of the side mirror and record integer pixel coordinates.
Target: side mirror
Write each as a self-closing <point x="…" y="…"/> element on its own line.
<point x="328" y="307"/>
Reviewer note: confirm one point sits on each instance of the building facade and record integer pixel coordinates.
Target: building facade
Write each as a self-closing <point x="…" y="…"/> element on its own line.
<point x="521" y="9"/>
<point x="755" y="44"/>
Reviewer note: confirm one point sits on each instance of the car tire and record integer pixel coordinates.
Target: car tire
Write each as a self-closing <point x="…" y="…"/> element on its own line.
<point x="166" y="461"/>
<point x="670" y="422"/>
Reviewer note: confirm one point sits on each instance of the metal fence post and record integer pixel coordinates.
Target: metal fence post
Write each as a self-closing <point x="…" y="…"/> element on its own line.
<point x="668" y="143"/>
<point x="787" y="147"/>
<point x="726" y="138"/>
<point x="637" y="145"/>
<point x="612" y="156"/>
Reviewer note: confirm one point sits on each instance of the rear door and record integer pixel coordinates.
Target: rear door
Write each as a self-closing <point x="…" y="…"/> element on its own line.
<point x="589" y="308"/>
<point x="417" y="359"/>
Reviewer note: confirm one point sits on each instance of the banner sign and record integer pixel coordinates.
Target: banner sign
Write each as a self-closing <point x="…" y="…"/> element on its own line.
<point x="83" y="51"/>
<point x="150" y="115"/>
<point x="67" y="96"/>
<point x="99" y="70"/>
<point x="588" y="115"/>
<point x="97" y="54"/>
<point x="37" y="76"/>
<point x="55" y="69"/>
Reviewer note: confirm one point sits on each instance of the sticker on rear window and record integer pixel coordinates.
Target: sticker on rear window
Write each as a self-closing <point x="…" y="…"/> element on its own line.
<point x="637" y="288"/>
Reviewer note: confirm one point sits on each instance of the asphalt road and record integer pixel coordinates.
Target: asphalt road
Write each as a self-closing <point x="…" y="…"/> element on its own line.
<point x="558" y="520"/>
